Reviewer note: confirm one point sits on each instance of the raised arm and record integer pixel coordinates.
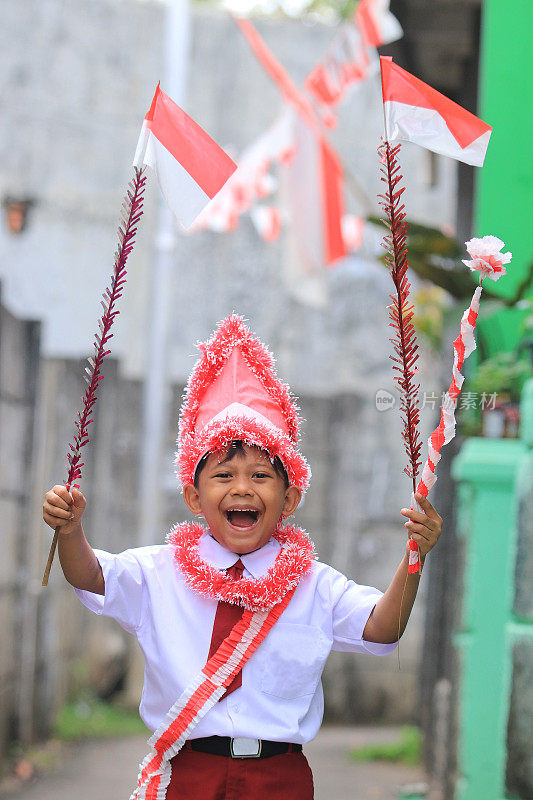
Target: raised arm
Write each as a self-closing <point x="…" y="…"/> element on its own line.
<point x="64" y="509"/>
<point x="389" y="618"/>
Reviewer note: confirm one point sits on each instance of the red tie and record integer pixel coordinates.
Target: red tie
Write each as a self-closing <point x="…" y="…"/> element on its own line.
<point x="226" y="618"/>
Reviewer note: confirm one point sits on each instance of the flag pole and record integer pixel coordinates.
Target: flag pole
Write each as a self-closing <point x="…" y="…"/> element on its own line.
<point x="381" y="59"/>
<point x="155" y="399"/>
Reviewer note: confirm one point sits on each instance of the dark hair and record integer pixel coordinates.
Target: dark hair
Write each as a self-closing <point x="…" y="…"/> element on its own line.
<point x="238" y="447"/>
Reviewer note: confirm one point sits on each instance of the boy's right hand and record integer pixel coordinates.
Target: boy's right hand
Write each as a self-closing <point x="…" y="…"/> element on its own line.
<point x="63" y="509"/>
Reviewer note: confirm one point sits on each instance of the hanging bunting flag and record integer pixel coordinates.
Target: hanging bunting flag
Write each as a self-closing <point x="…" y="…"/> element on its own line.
<point x="351" y="56"/>
<point x="346" y="62"/>
<point x="313" y="195"/>
<point x="377" y="24"/>
<point x="252" y="180"/>
<point x="352" y="228"/>
<point x="267" y="222"/>
<point x="278" y="73"/>
<point x="415" y="112"/>
<point x="190" y="167"/>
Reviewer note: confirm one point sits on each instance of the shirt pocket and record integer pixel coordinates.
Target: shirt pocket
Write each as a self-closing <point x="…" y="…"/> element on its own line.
<point x="293" y="660"/>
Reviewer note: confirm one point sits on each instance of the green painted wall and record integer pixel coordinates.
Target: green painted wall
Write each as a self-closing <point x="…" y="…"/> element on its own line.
<point x="504" y="187"/>
<point x="487" y="471"/>
<point x="494" y="476"/>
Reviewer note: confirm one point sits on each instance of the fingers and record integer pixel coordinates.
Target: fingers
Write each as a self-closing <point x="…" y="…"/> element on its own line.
<point x="59" y="497"/>
<point x="63" y="509"/>
<point x="79" y="500"/>
<point x="417" y="531"/>
<point x="424" y="503"/>
<point x="430" y="518"/>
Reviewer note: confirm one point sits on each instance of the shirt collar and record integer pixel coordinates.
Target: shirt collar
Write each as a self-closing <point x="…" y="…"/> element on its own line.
<point x="256" y="563"/>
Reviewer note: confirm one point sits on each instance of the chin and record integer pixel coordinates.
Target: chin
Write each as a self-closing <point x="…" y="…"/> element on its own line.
<point x="241" y="542"/>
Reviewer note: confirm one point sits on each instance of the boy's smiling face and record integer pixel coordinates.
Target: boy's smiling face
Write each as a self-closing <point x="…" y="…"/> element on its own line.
<point x="242" y="498"/>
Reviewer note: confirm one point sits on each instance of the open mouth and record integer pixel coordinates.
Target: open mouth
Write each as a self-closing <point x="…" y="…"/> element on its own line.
<point x="242" y="518"/>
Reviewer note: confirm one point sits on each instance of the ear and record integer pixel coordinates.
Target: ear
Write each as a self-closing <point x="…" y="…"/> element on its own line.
<point x="192" y="498"/>
<point x="293" y="495"/>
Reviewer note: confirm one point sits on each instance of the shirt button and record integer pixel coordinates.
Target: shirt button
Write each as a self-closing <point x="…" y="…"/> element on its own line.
<point x="236" y="709"/>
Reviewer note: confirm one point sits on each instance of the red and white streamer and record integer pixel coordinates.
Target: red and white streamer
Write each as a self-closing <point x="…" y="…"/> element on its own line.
<point x="200" y="696"/>
<point x="487" y="259"/>
<point x="463" y="346"/>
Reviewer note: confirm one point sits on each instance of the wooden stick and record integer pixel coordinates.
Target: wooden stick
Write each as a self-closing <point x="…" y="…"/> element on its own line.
<point x="50" y="557"/>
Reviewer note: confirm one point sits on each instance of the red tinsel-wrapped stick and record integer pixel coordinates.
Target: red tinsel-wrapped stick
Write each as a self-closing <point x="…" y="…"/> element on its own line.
<point x="400" y="317"/>
<point x="132" y="209"/>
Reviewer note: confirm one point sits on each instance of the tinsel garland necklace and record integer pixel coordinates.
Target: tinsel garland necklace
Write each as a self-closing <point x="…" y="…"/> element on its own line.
<point x="132" y="210"/>
<point x="292" y="562"/>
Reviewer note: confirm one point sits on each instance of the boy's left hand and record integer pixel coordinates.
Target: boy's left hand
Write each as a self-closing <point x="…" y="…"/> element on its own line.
<point x="423" y="528"/>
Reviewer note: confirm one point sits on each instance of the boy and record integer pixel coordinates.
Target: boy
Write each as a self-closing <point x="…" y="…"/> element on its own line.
<point x="235" y="619"/>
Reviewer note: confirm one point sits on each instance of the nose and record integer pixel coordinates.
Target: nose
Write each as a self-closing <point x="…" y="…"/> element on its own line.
<point x="241" y="486"/>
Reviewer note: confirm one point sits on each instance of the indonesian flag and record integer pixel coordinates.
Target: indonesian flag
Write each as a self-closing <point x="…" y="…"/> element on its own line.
<point x="346" y="62"/>
<point x="352" y="228"/>
<point x="252" y="180"/>
<point x="377" y="24"/>
<point x="313" y="195"/>
<point x="417" y="113"/>
<point x="267" y="222"/>
<point x="190" y="166"/>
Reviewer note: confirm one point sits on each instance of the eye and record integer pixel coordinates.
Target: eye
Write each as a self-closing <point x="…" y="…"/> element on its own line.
<point x="262" y="475"/>
<point x="222" y="475"/>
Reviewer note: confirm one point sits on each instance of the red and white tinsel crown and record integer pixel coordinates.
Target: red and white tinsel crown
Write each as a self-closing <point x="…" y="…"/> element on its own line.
<point x="234" y="394"/>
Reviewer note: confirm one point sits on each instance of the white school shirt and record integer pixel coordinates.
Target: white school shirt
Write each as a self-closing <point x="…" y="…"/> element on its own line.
<point x="281" y="696"/>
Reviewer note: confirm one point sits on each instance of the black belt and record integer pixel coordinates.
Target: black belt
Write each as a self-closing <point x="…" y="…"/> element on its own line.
<point x="241" y="747"/>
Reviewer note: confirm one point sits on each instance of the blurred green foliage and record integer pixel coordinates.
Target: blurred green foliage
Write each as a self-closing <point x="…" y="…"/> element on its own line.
<point x="430" y="303"/>
<point x="91" y="718"/>
<point x="503" y="374"/>
<point x="406" y="750"/>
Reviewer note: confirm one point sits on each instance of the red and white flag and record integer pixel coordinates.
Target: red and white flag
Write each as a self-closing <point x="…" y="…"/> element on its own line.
<point x="417" y="113"/>
<point x="346" y="62"/>
<point x="252" y="180"/>
<point x="267" y="222"/>
<point x="352" y="228"/>
<point x="351" y="56"/>
<point x="190" y="167"/>
<point x="313" y="194"/>
<point x="377" y="24"/>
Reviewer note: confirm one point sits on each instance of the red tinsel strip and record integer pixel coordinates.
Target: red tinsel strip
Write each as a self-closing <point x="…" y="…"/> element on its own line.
<point x="400" y="310"/>
<point x="132" y="210"/>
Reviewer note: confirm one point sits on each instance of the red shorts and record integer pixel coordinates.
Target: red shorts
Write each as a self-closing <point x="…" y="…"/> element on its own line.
<point x="202" y="776"/>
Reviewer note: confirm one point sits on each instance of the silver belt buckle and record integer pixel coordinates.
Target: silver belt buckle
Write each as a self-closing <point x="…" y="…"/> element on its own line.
<point x="241" y="747"/>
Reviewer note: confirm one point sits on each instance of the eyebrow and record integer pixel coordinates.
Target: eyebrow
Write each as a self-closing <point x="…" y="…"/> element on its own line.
<point x="255" y="465"/>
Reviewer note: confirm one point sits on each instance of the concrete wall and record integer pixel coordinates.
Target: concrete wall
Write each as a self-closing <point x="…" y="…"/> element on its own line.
<point x="79" y="77"/>
<point x="19" y="374"/>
